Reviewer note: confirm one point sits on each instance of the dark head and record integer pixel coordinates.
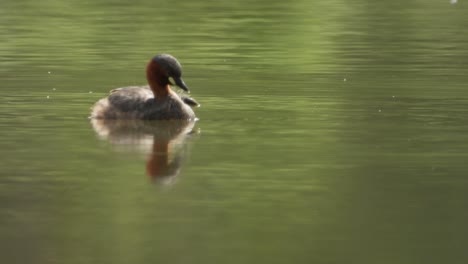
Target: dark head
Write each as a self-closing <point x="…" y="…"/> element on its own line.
<point x="161" y="69"/>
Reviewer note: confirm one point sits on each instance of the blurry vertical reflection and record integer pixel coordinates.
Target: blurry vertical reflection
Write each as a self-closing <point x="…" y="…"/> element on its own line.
<point x="164" y="142"/>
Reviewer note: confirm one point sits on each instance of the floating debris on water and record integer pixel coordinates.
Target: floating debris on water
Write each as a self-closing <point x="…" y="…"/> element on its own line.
<point x="453" y="2"/>
<point x="53" y="89"/>
<point x="49" y="72"/>
<point x="48" y="97"/>
<point x="90" y="92"/>
<point x="380" y="110"/>
<point x="344" y="80"/>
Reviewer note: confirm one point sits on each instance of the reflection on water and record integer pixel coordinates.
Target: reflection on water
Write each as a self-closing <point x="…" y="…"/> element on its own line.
<point x="333" y="132"/>
<point x="165" y="143"/>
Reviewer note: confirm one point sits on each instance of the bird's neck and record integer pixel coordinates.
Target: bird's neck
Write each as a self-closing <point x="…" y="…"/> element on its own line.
<point x="157" y="81"/>
<point x="159" y="91"/>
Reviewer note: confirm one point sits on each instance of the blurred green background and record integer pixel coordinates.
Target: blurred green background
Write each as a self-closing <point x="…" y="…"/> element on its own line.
<point x="330" y="132"/>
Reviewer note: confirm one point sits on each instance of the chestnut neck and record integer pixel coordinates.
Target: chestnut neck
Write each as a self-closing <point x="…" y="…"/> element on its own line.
<point x="157" y="80"/>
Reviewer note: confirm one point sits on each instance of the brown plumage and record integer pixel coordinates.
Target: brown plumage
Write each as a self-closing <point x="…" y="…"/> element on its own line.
<point x="154" y="102"/>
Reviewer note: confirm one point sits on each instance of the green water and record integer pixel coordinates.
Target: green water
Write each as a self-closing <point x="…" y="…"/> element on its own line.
<point x="330" y="132"/>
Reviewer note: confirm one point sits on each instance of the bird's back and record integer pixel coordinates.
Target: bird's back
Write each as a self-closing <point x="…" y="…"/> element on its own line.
<point x="140" y="103"/>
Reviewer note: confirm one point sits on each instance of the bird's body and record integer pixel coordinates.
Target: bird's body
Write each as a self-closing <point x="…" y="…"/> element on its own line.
<point x="154" y="102"/>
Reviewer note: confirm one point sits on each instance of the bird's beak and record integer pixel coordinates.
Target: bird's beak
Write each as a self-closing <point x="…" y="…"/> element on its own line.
<point x="179" y="82"/>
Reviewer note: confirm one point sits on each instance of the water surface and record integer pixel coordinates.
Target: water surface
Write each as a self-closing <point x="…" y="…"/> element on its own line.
<point x="329" y="132"/>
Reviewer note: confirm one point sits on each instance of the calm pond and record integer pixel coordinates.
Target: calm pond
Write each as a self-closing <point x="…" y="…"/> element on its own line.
<point x="329" y="132"/>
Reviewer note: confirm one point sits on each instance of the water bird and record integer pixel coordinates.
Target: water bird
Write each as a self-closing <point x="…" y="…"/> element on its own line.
<point x="157" y="101"/>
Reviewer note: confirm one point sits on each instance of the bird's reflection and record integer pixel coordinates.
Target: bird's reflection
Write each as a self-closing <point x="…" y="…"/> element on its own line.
<point x="164" y="141"/>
